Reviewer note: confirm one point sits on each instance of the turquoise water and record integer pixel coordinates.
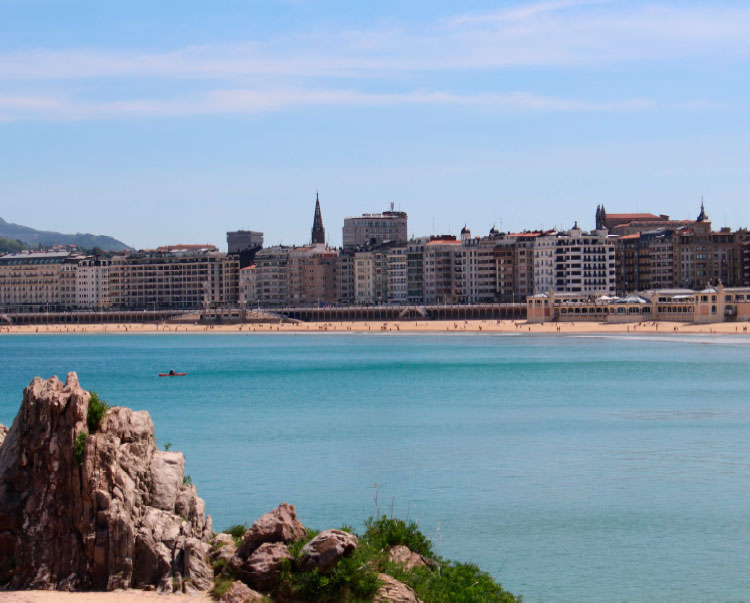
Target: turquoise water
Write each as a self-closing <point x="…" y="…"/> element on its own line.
<point x="570" y="468"/>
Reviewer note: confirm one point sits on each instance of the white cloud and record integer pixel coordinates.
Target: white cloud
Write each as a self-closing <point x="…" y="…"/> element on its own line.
<point x="252" y="102"/>
<point x="555" y="33"/>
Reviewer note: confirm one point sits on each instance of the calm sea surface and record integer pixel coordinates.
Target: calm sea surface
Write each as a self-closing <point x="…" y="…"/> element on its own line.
<point x="570" y="468"/>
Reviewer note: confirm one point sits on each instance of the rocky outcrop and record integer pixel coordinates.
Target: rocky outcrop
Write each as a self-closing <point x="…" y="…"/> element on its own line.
<point x="223" y="549"/>
<point x="393" y="591"/>
<point x="260" y="556"/>
<point x="279" y="525"/>
<point x="326" y="550"/>
<point x="405" y="556"/>
<point x="3" y="433"/>
<point x="239" y="592"/>
<point x="95" y="511"/>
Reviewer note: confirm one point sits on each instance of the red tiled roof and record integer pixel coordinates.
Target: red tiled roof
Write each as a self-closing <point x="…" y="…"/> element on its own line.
<point x="633" y="217"/>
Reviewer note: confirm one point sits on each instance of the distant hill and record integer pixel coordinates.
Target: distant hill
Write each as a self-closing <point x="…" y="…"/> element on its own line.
<point x="47" y="238"/>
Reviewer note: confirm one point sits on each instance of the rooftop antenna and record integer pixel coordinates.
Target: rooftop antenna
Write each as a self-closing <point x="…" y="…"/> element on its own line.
<point x="501" y="225"/>
<point x="392" y="205"/>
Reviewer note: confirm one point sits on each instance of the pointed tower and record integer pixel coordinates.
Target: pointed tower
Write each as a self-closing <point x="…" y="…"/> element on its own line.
<point x="318" y="232"/>
<point x="702" y="217"/>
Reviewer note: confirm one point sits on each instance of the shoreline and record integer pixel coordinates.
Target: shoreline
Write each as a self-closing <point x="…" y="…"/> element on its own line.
<point x="385" y="328"/>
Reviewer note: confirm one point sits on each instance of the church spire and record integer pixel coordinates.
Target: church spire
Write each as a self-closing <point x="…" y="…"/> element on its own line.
<point x="702" y="217"/>
<point x="318" y="232"/>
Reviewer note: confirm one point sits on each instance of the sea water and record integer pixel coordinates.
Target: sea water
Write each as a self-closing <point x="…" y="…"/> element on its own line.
<point x="612" y="468"/>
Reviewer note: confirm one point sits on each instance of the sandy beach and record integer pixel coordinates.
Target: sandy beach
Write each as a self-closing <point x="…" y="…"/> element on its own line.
<point x="422" y="327"/>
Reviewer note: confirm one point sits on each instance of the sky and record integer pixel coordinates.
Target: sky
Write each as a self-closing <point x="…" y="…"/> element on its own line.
<point x="175" y="121"/>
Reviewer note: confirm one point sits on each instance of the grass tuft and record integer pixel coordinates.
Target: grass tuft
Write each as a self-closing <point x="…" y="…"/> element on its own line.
<point x="79" y="447"/>
<point x="97" y="409"/>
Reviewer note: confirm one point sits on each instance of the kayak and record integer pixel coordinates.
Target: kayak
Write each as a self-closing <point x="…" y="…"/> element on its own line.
<point x="172" y="374"/>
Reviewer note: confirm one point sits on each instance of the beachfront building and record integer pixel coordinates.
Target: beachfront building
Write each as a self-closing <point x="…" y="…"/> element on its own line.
<point x="439" y="267"/>
<point x="38" y="281"/>
<point x="524" y="244"/>
<point x="248" y="290"/>
<point x="710" y="305"/>
<point x="372" y="229"/>
<point x="481" y="281"/>
<point x="397" y="276"/>
<point x="644" y="261"/>
<point x="174" y="277"/>
<point x="545" y="254"/>
<point x="415" y="270"/>
<point x="271" y="280"/>
<point x="371" y="276"/>
<point x="345" y="290"/>
<point x="583" y="263"/>
<point x="311" y="275"/>
<point x="92" y="282"/>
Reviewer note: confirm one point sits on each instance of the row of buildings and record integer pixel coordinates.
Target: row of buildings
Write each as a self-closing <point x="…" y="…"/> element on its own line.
<point x="379" y="264"/>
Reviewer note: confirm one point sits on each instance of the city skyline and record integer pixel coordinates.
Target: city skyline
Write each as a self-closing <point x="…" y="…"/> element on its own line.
<point x="521" y="113"/>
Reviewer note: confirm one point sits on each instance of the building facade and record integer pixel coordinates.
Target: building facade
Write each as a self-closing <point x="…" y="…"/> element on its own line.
<point x="372" y="229"/>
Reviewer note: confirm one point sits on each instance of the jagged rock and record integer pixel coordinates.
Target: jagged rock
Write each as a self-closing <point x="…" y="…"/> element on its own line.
<point x="393" y="591"/>
<point x="118" y="517"/>
<point x="406" y="557"/>
<point x="279" y="525"/>
<point x="222" y="548"/>
<point x="3" y="433"/>
<point x="264" y="565"/>
<point x="325" y="550"/>
<point x="240" y="592"/>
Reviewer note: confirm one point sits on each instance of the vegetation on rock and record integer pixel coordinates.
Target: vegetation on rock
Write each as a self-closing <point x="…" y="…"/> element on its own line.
<point x="97" y="409"/>
<point x="355" y="577"/>
<point x="79" y="447"/>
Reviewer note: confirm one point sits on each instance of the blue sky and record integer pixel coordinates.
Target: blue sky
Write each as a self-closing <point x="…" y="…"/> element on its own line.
<point x="175" y="121"/>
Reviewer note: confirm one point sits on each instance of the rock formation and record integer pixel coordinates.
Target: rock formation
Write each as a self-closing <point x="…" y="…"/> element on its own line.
<point x="325" y="550"/>
<point x="393" y="591"/>
<point x="96" y="511"/>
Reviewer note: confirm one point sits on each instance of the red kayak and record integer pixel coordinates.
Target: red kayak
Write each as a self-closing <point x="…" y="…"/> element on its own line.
<point x="172" y="374"/>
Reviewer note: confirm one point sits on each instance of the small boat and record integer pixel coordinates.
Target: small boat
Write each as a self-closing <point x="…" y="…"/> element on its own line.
<point x="172" y="374"/>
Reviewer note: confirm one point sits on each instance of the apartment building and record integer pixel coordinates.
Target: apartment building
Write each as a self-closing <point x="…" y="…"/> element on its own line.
<point x="372" y="229"/>
<point x="271" y="275"/>
<point x="311" y="275"/>
<point x="248" y="289"/>
<point x="92" y="282"/>
<point x="174" y="277"/>
<point x="584" y="263"/>
<point x="442" y="278"/>
<point x="397" y="276"/>
<point x="38" y="281"/>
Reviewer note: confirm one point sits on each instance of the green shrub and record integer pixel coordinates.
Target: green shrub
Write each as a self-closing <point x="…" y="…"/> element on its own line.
<point x="187" y="481"/>
<point x="221" y="585"/>
<point x="354" y="578"/>
<point x="236" y="531"/>
<point x="386" y="532"/>
<point x="452" y="583"/>
<point x="97" y="409"/>
<point x="79" y="447"/>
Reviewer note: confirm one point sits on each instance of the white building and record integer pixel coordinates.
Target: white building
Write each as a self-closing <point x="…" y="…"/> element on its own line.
<point x="372" y="229"/>
<point x="397" y="276"/>
<point x="583" y="263"/>
<point x="92" y="283"/>
<point x="248" y="295"/>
